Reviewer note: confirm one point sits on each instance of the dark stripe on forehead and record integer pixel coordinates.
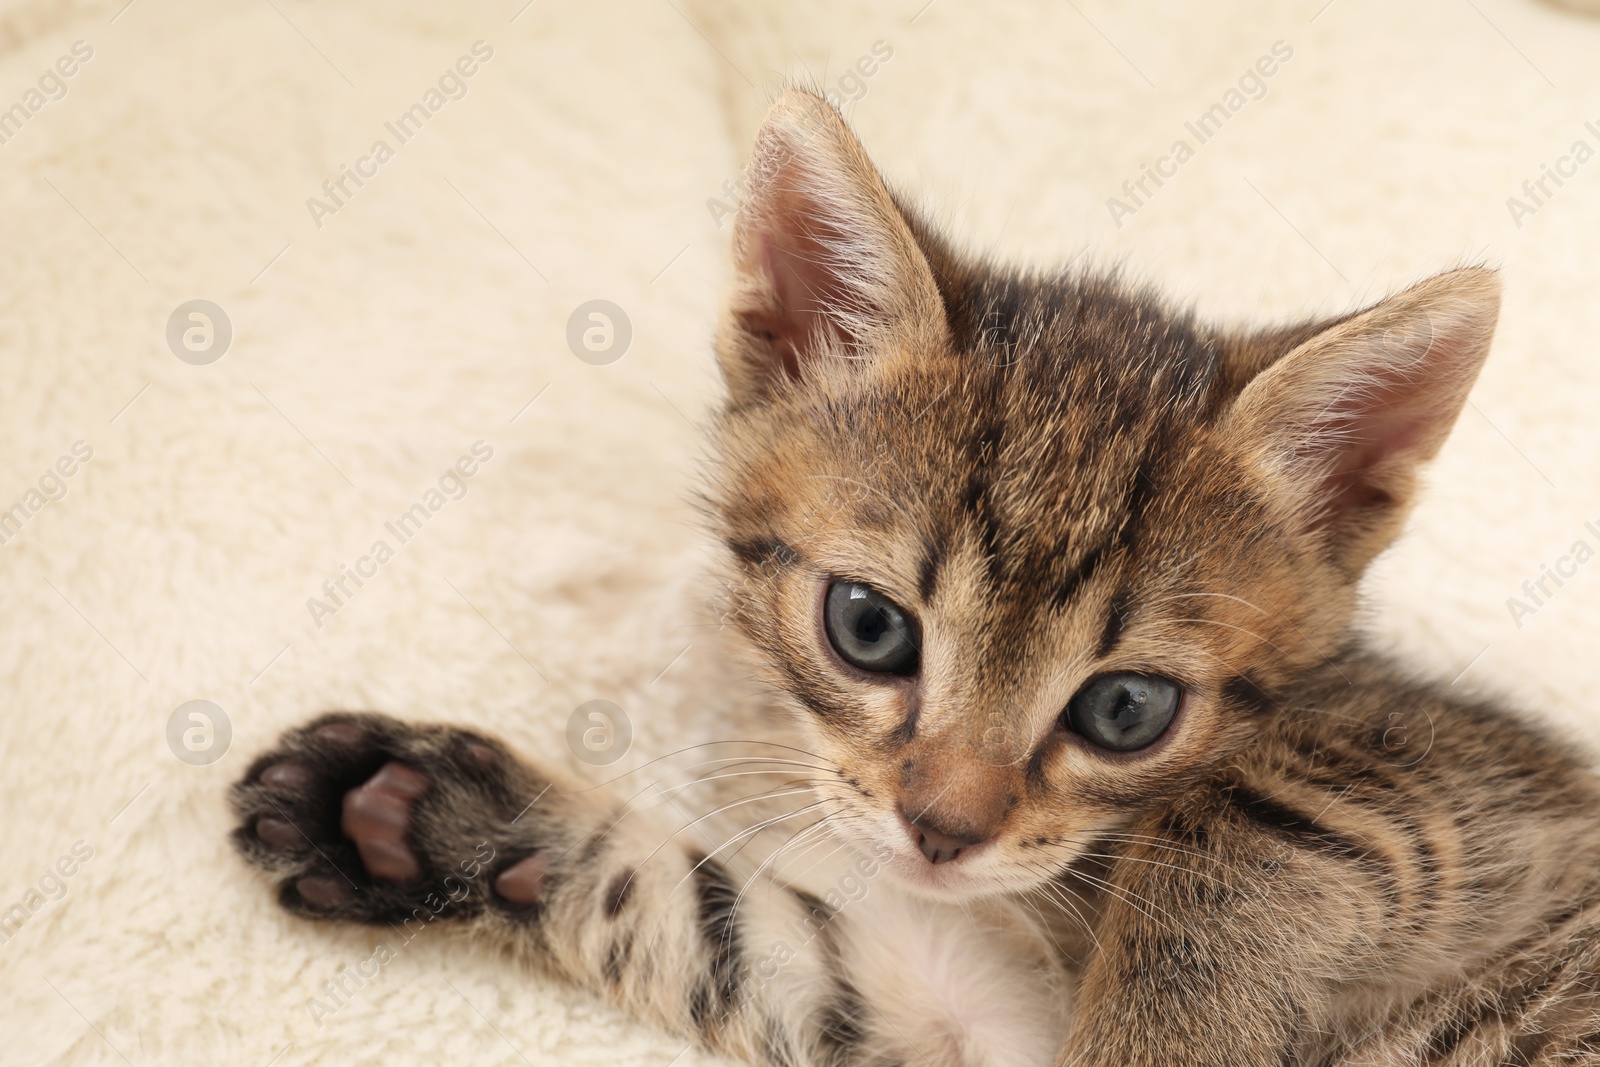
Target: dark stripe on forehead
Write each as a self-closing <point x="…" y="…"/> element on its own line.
<point x="1135" y="501"/>
<point x="1116" y="622"/>
<point x="976" y="503"/>
<point x="1140" y="492"/>
<point x="982" y="449"/>
<point x="1048" y="329"/>
<point x="986" y="444"/>
<point x="1067" y="589"/>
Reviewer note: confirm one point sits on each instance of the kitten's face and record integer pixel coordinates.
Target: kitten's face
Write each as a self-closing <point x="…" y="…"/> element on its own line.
<point x="1032" y="557"/>
<point x="1042" y="520"/>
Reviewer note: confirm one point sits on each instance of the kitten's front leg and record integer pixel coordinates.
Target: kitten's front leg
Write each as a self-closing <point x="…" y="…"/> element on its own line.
<point x="368" y="819"/>
<point x="1224" y="938"/>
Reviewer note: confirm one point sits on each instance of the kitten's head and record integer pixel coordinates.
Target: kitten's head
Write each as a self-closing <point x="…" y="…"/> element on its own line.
<point x="1032" y="553"/>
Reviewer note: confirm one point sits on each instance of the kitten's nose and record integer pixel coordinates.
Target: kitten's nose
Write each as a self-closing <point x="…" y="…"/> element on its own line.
<point x="939" y="844"/>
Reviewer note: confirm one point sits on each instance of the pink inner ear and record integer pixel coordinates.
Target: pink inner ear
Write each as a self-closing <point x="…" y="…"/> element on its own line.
<point x="1382" y="433"/>
<point x="795" y="323"/>
<point x="801" y="254"/>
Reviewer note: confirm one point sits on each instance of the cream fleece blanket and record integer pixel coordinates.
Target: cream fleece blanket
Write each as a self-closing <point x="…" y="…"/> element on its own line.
<point x="180" y="516"/>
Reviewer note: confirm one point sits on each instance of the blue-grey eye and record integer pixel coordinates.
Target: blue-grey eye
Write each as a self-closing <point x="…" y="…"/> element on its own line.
<point x="869" y="630"/>
<point x="1123" y="712"/>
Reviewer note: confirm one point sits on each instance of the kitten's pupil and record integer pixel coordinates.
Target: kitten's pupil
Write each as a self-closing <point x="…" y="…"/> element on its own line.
<point x="1129" y="707"/>
<point x="871" y="626"/>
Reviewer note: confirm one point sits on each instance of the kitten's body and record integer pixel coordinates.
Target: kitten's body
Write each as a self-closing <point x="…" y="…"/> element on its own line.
<point x="1316" y="861"/>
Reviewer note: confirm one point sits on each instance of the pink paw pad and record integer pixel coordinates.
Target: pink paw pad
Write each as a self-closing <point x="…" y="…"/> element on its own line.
<point x="522" y="883"/>
<point x="377" y="818"/>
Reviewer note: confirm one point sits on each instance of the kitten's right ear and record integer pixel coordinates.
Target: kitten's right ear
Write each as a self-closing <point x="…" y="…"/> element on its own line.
<point x="1339" y="426"/>
<point x="825" y="266"/>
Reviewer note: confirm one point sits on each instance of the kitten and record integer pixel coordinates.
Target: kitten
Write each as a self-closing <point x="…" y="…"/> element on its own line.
<point x="1053" y="589"/>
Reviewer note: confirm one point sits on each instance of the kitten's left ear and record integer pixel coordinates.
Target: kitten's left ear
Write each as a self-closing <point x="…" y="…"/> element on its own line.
<point x="1339" y="426"/>
<point x="825" y="265"/>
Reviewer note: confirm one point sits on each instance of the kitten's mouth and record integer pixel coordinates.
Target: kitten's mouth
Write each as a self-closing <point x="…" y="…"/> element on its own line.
<point x="957" y="879"/>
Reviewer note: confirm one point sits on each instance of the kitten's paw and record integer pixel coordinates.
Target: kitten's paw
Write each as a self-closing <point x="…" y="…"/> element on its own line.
<point x="366" y="818"/>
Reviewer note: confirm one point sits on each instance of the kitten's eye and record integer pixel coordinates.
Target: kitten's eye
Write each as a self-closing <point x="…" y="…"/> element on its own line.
<point x="869" y="630"/>
<point x="1123" y="712"/>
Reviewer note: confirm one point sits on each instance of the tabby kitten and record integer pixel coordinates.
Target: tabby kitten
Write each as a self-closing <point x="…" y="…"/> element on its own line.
<point x="1053" y="589"/>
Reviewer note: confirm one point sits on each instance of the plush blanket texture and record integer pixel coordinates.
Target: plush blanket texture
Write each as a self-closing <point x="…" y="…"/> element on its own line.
<point x="201" y="151"/>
